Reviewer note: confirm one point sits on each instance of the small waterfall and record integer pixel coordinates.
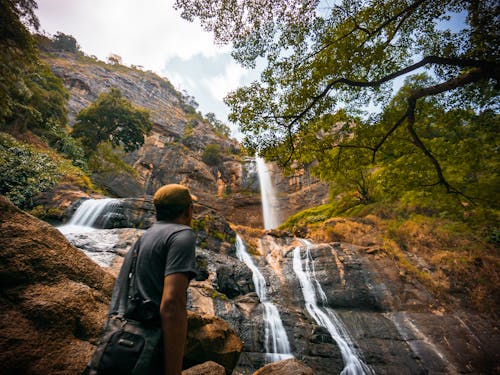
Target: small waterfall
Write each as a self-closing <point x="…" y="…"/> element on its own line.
<point x="276" y="341"/>
<point x="268" y="196"/>
<point x="82" y="232"/>
<point x="324" y="316"/>
<point x="89" y="214"/>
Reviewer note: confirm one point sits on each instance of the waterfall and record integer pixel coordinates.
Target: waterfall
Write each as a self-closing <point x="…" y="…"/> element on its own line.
<point x="268" y="195"/>
<point x="82" y="232"/>
<point x="324" y="316"/>
<point x="90" y="214"/>
<point x="276" y="341"/>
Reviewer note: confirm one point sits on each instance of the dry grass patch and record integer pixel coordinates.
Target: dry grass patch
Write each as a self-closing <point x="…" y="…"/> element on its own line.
<point x="251" y="237"/>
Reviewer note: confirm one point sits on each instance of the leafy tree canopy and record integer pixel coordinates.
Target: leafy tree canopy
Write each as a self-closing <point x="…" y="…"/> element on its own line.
<point x="327" y="65"/>
<point x="24" y="171"/>
<point x="64" y="42"/>
<point x="114" y="119"/>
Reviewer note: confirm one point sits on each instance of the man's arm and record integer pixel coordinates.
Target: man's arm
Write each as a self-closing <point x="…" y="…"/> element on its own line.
<point x="174" y="321"/>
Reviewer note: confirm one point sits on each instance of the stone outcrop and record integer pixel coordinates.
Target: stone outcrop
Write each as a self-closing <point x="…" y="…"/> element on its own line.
<point x="206" y="368"/>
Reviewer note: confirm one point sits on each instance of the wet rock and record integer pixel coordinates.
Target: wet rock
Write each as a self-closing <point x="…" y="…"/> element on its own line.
<point x="234" y="280"/>
<point x="286" y="367"/>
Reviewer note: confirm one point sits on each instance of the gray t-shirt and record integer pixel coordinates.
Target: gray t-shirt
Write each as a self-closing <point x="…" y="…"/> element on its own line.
<point x="164" y="249"/>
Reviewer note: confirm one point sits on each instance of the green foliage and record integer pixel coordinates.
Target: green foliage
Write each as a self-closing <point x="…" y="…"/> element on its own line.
<point x="108" y="159"/>
<point x="18" y="61"/>
<point x="211" y="155"/>
<point x="218" y="126"/>
<point x="328" y="65"/>
<point x="31" y="96"/>
<point x="24" y="171"/>
<point x="62" y="141"/>
<point x="112" y="118"/>
<point x="64" y="42"/>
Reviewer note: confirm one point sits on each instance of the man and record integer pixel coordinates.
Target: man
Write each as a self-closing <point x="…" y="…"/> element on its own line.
<point x="165" y="265"/>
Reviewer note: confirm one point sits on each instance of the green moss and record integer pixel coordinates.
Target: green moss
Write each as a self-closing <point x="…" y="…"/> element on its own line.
<point x="218" y="295"/>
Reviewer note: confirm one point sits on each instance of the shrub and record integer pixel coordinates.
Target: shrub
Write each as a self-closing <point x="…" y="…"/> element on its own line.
<point x="211" y="155"/>
<point x="25" y="171"/>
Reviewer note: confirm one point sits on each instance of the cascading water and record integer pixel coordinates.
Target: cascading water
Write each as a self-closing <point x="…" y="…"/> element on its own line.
<point x="276" y="341"/>
<point x="97" y="244"/>
<point x="89" y="212"/>
<point x="268" y="195"/>
<point x="324" y="316"/>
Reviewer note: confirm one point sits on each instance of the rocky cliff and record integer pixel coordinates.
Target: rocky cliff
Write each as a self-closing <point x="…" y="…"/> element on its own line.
<point x="173" y="152"/>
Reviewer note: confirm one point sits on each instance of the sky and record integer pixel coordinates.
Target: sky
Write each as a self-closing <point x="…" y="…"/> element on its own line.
<point x="151" y="34"/>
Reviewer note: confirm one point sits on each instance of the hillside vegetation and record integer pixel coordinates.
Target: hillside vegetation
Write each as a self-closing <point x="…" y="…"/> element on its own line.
<point x="453" y="251"/>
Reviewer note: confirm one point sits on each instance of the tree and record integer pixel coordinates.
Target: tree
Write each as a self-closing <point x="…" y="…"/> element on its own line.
<point x="211" y="155"/>
<point x="18" y="54"/>
<point x="65" y="42"/>
<point x="347" y="56"/>
<point x="114" y="59"/>
<point x="218" y="125"/>
<point x="114" y="119"/>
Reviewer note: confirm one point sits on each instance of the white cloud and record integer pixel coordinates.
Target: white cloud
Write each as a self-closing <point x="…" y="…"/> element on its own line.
<point x="221" y="84"/>
<point x="142" y="32"/>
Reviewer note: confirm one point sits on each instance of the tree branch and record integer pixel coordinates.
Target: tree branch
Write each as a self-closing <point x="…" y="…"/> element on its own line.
<point x="404" y="12"/>
<point x="387" y="135"/>
<point x="471" y="76"/>
<point x="487" y="69"/>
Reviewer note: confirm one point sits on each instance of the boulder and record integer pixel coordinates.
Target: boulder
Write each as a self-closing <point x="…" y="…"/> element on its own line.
<point x="286" y="367"/>
<point x="54" y="298"/>
<point x="211" y="338"/>
<point x="234" y="279"/>
<point x="207" y="368"/>
<point x="213" y="232"/>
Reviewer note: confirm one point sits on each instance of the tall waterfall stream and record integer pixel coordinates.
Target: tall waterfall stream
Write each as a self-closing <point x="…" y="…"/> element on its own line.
<point x="325" y="316"/>
<point x="268" y="195"/>
<point x="276" y="340"/>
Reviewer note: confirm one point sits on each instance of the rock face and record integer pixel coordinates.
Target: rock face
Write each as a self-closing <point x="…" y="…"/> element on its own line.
<point x="54" y="299"/>
<point x="396" y="325"/>
<point x="173" y="153"/>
